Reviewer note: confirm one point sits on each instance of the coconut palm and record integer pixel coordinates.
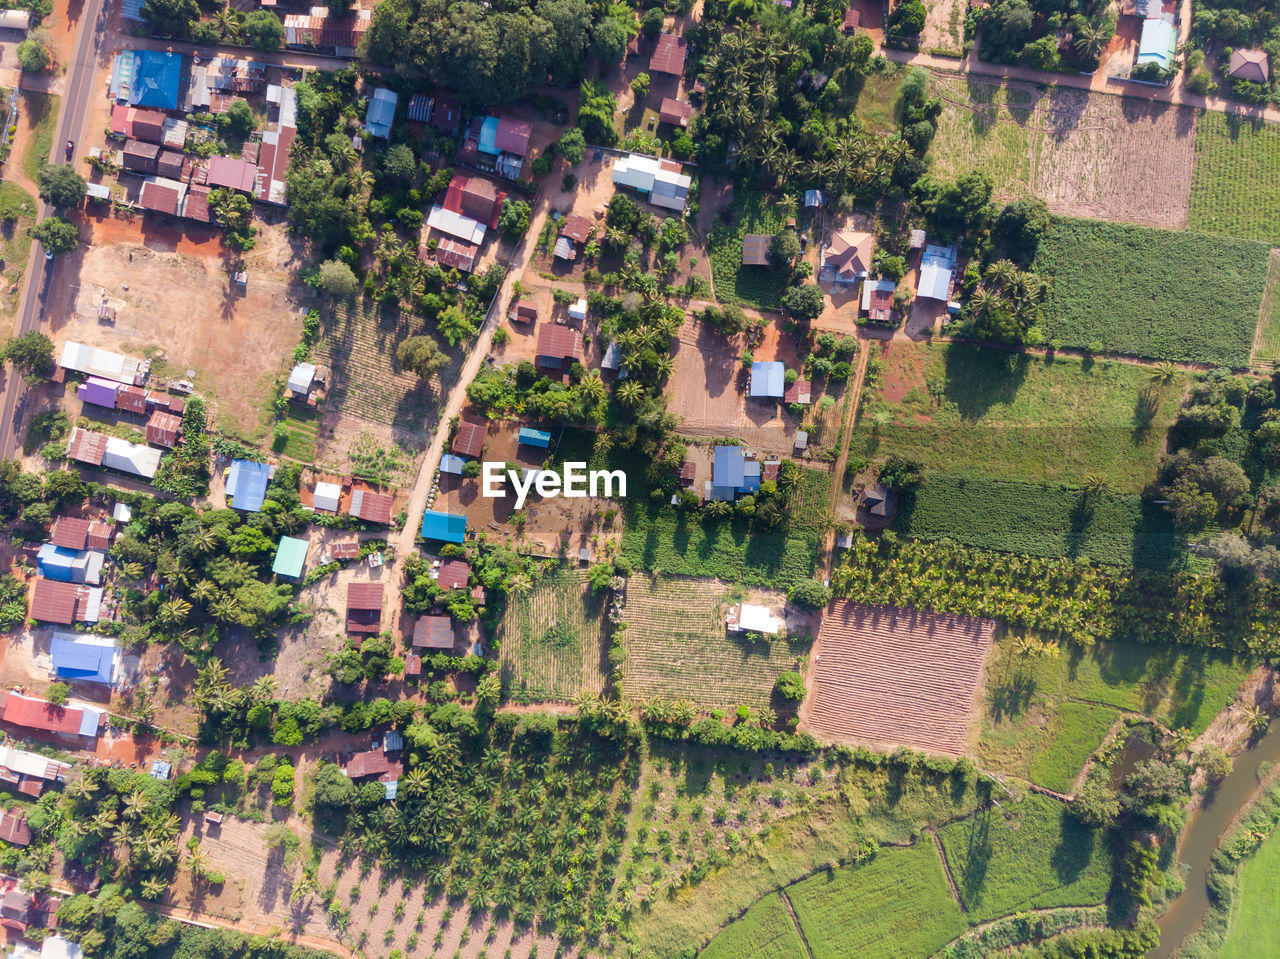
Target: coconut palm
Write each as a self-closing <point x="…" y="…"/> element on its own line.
<point x="1162" y="374"/>
<point x="131" y="571"/>
<point x="173" y="611"/>
<point x="136" y="805"/>
<point x="664" y="366"/>
<point x="1091" y="36"/>
<point x="593" y="387"/>
<point x="227" y="23"/>
<point x="263" y="689"/>
<point x="630" y="393"/>
<point x="1096" y="484"/>
<point x="1181" y="740"/>
<point x="1258" y="718"/>
<point x="203" y="591"/>
<point x="205" y="539"/>
<point x="153" y="888"/>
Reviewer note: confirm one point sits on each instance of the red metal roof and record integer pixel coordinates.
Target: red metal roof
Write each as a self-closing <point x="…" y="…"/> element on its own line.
<point x="162" y="429"/>
<point x="69" y="532"/>
<point x="372" y="507"/>
<point x="558" y="341"/>
<point x="131" y="399"/>
<point x="446" y="114"/>
<point x="513" y="136"/>
<point x="87" y="447"/>
<point x="525" y="310"/>
<point x="54" y="602"/>
<point x="851" y="19"/>
<point x="14" y="829"/>
<point x="364" y="607"/>
<point x="433" y="632"/>
<point x="232" y="172"/>
<point x="675" y="112"/>
<point x="99" y="535"/>
<point x="576" y="227"/>
<point x="158" y="197"/>
<point x="457" y="254"/>
<point x="798" y="392"/>
<point x="453" y="574"/>
<point x="373" y="762"/>
<point x="38" y="714"/>
<point x="668" y="55"/>
<point x="349" y="550"/>
<point x="469" y="440"/>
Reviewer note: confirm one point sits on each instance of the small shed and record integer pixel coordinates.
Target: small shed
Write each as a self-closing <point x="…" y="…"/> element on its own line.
<point x="531" y="437"/>
<point x="162" y="429"/>
<point x="300" y="378"/>
<point x="446" y="527"/>
<point x="381" y="113"/>
<point x="578" y="309"/>
<point x="161" y="770"/>
<point x="674" y="112"/>
<point x="452" y="464"/>
<point x="327" y="497"/>
<point x="814" y="199"/>
<point x="291" y="557"/>
<point x="755" y="249"/>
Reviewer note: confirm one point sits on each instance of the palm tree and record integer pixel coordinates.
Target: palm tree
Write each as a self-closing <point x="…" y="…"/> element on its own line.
<point x="204" y="591"/>
<point x="263" y="689"/>
<point x="153" y="888"/>
<point x="344" y="157"/>
<point x="630" y="393"/>
<point x="592" y="386"/>
<point x="82" y="788"/>
<point x="136" y="804"/>
<point x="227" y="24"/>
<point x="206" y="539"/>
<point x="1091" y="37"/>
<point x="1181" y="740"/>
<point x="1258" y="718"/>
<point x="1096" y="484"/>
<point x="173" y="611"/>
<point x="131" y="571"/>
<point x="1162" y="374"/>
<point x="225" y="608"/>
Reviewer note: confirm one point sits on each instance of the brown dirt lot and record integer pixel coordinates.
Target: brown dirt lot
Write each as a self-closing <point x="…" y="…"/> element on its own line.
<point x="172" y="297"/>
<point x="889" y="677"/>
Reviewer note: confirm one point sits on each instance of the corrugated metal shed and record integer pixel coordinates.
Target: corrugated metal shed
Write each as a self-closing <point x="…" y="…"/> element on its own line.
<point x="291" y="557"/>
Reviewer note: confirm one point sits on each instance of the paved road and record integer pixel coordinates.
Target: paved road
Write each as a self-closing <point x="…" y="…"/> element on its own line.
<point x="36" y="279"/>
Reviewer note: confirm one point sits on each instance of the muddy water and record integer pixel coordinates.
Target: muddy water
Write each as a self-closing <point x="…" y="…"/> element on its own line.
<point x="1202" y="836"/>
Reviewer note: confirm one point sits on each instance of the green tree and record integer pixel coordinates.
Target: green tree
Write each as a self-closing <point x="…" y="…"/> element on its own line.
<point x="906" y="19"/>
<point x="171" y="18"/>
<point x="790" y="686"/>
<point x="337" y="279"/>
<point x="454" y="326"/>
<point x="56" y="235"/>
<point x="34" y="55"/>
<point x="57" y="693"/>
<point x="785" y="247"/>
<point x="239" y="119"/>
<point x="421" y="355"/>
<point x="640" y="86"/>
<point x="31" y="354"/>
<point x="514" y="218"/>
<point x="263" y="30"/>
<point x="61" y="186"/>
<point x="399" y="163"/>
<point x="573" y="146"/>
<point x="812" y="593"/>
<point x="234" y="213"/>
<point x="803" y="302"/>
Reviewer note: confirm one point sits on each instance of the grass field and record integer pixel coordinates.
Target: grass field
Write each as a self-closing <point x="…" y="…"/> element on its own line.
<point x="1072" y="736"/>
<point x="677" y="646"/>
<point x="967" y="411"/>
<point x="988" y="127"/>
<point x="1038" y="856"/>
<point x="766" y="931"/>
<point x="758" y="286"/>
<point x="302" y="428"/>
<point x="898" y="904"/>
<point x="877" y="101"/>
<point x="1041" y="520"/>
<point x="1235" y="190"/>
<point x="540" y="662"/>
<point x="1267" y="344"/>
<point x="1253" y="913"/>
<point x="42" y="108"/>
<point x="18" y="210"/>
<point x="1026" y="731"/>
<point x="1153" y="293"/>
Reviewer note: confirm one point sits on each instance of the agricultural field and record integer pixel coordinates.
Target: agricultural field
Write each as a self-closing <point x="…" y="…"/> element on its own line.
<point x="756" y="286"/>
<point x="677" y="646"/>
<point x="1031" y="854"/>
<point x="1266" y="345"/>
<point x="1252" y="933"/>
<point x="968" y="411"/>
<point x="1040" y="520"/>
<point x="297" y="434"/>
<point x="1086" y="154"/>
<point x="898" y="904"/>
<point x="1235" y="189"/>
<point x="1152" y="293"/>
<point x="766" y="931"/>
<point x="888" y="677"/>
<point x="1031" y="706"/>
<point x="877" y="101"/>
<point x="551" y="640"/>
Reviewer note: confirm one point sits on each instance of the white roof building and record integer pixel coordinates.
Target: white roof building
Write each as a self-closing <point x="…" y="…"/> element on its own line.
<point x="55" y="947"/>
<point x="140" y="460"/>
<point x="95" y="362"/>
<point x="327" y="497"/>
<point x="31" y="764"/>
<point x="578" y="310"/>
<point x="455" y="224"/>
<point x="754" y="619"/>
<point x="670" y="190"/>
<point x="636" y="171"/>
<point x="300" y="378"/>
<point x="15" y="20"/>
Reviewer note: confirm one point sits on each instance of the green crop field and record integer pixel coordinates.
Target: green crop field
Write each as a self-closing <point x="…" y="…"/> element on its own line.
<point x="677" y="646"/>
<point x="301" y="431"/>
<point x="1040" y="520"/>
<point x="759" y="286"/>
<point x="1267" y="343"/>
<point x="968" y="411"/>
<point x="1075" y="732"/>
<point x="898" y="904"/>
<point x="1253" y="914"/>
<point x="1154" y="293"/>
<point x="765" y="931"/>
<point x="1038" y="856"/>
<point x="1026" y="732"/>
<point x="1235" y="190"/>
<point x="551" y="643"/>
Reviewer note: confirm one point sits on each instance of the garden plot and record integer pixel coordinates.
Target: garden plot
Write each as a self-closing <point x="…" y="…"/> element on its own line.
<point x="1236" y="187"/>
<point x="551" y="641"/>
<point x="1086" y="154"/>
<point x="678" y="648"/>
<point x="891" y="677"/>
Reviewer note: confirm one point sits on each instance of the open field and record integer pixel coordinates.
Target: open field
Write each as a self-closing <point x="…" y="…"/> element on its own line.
<point x="1072" y="736"/>
<point x="677" y="646"/>
<point x="896" y="905"/>
<point x="967" y="411"/>
<point x="1152" y="293"/>
<point x="1086" y="154"/>
<point x="757" y="286"/>
<point x="1266" y="345"/>
<point x="1235" y="190"/>
<point x="890" y="677"/>
<point x="40" y="112"/>
<point x="551" y="640"/>
<point x="765" y="931"/>
<point x="1030" y="854"/>
<point x="1040" y="520"/>
<point x="18" y="210"/>
<point x="1028" y="722"/>
<point x="1252" y="933"/>
<point x="877" y="101"/>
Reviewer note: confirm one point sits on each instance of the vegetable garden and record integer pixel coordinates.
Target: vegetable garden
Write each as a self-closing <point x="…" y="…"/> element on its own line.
<point x="759" y="286"/>
<point x="1153" y="293"/>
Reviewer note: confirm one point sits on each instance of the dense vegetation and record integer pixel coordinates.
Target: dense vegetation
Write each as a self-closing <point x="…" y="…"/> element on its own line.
<point x="1153" y="293"/>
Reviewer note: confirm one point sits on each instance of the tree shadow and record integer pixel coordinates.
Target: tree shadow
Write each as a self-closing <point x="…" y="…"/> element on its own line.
<point x="978" y="852"/>
<point x="978" y="379"/>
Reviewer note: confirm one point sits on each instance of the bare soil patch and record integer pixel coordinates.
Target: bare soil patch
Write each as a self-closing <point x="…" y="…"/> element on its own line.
<point x="889" y="677"/>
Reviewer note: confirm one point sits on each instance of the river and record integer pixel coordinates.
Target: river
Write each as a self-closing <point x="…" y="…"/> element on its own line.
<point x="1201" y="841"/>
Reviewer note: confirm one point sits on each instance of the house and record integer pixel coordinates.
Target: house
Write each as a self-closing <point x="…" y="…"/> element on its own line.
<point x="30" y="773"/>
<point x="849" y="255"/>
<point x="277" y="141"/>
<point x="381" y="113"/>
<point x="170" y="164"/>
<point x="15" y="910"/>
<point x="540" y="439"/>
<point x="936" y="265"/>
<point x="574" y="229"/>
<point x="247" y="485"/>
<point x="85" y="657"/>
<point x="291" y="557"/>
<point x="372" y="507"/>
<point x="14" y="829"/>
<point x="447" y="527"/>
<point x="131" y="399"/>
<point x="232" y="173"/>
<point x="133" y="123"/>
<point x="161" y="196"/>
<point x="364" y="608"/>
<point x="453" y="574"/>
<point x="345" y="551"/>
<point x="69" y="565"/>
<point x="300" y="378"/>
<point x="453" y="465"/>
<point x="140" y="157"/>
<point x="102" y="363"/>
<point x="19" y="20"/>
<point x="1158" y="42"/>
<point x="674" y="112"/>
<point x="163" y="428"/>
<point x="321" y="30"/>
<point x="662" y="180"/>
<point x="69" y="532"/>
<point x="732" y="474"/>
<point x="768" y="380"/>
<point x="446" y="115"/>
<point x="327" y="497"/>
<point x="147" y="78"/>
<point x="373" y="762"/>
<point x="98" y="392"/>
<point x="558" y="346"/>
<point x="746" y="618"/>
<point x="56" y="947"/>
<point x="851" y="20"/>
<point x="469" y="440"/>
<point x="578" y="309"/>
<point x="523" y="311"/>
<point x="475" y="197"/>
<point x="455" y="224"/>
<point x="668" y="55"/>
<point x="456" y="254"/>
<point x="433" y="632"/>
<point x="420" y="108"/>
<point x="196" y="206"/>
<point x="755" y="249"/>
<point x="31" y="713"/>
<point x="801" y="391"/>
<point x="1251" y="65"/>
<point x="95" y="449"/>
<point x="879" y="500"/>
<point x="877" y="299"/>
<point x="612" y="359"/>
<point x="86" y="447"/>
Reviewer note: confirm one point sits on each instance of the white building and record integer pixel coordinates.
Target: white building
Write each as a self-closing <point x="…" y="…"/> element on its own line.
<point x="140" y="460"/>
<point x="327" y="497"/>
<point x="662" y="180"/>
<point x="300" y="378"/>
<point x="456" y="225"/>
<point x="747" y="618"/>
<point x="102" y="363"/>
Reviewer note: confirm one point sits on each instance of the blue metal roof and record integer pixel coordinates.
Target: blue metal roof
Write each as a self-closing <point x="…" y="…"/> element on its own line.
<point x="489" y="136"/>
<point x="79" y="660"/>
<point x="449" y="527"/>
<point x="768" y="379"/>
<point x="55" y="562"/>
<point x="291" y="557"/>
<point x="751" y="476"/>
<point x="381" y="113"/>
<point x="539" y="438"/>
<point x="451" y="464"/>
<point x="727" y="469"/>
<point x="156" y="77"/>
<point x="132" y="10"/>
<point x="247" y="484"/>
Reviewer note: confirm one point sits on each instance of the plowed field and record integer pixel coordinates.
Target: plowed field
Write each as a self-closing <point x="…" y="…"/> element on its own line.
<point x="894" y="677"/>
